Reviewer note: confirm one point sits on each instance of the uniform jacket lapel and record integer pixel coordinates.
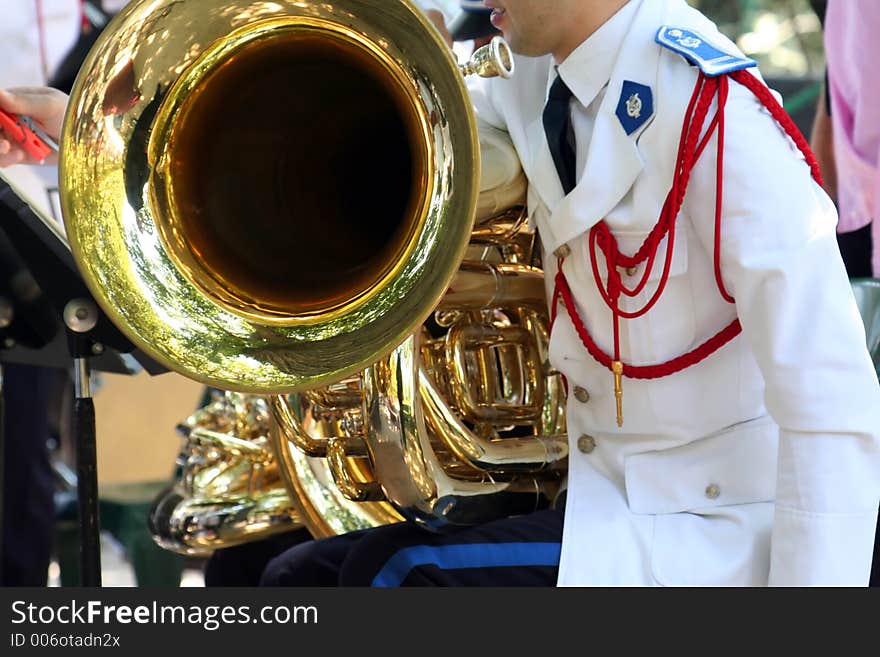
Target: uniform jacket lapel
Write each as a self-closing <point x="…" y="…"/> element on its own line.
<point x="613" y="162"/>
<point x="543" y="171"/>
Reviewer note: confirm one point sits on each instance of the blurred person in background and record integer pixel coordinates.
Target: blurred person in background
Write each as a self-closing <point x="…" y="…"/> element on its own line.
<point x="846" y="130"/>
<point x="846" y="140"/>
<point x="35" y="36"/>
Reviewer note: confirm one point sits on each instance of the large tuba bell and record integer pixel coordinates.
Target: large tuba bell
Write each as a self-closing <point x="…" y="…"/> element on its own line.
<point x="278" y="199"/>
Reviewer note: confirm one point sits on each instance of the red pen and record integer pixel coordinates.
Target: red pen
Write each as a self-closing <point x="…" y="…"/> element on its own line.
<point x="28" y="135"/>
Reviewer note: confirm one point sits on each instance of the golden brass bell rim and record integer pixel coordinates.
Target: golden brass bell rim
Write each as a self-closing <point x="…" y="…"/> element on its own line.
<point x="163" y="194"/>
<point x="134" y="279"/>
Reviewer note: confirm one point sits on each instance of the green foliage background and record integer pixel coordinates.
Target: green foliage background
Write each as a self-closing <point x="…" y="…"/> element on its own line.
<point x="785" y="36"/>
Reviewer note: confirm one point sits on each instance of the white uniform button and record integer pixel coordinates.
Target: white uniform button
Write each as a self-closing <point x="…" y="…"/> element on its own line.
<point x="563" y="251"/>
<point x="632" y="271"/>
<point x="713" y="491"/>
<point x="581" y="394"/>
<point x="586" y="444"/>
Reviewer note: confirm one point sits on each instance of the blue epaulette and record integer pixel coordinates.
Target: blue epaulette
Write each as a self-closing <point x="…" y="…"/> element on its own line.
<point x="697" y="50"/>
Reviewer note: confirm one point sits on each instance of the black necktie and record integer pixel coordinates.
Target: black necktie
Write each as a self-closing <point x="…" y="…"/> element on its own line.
<point x="557" y="125"/>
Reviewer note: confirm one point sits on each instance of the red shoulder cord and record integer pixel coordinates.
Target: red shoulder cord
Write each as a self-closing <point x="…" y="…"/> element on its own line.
<point x="689" y="151"/>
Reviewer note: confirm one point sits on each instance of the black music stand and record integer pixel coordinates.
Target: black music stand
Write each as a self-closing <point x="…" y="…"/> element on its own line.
<point x="49" y="318"/>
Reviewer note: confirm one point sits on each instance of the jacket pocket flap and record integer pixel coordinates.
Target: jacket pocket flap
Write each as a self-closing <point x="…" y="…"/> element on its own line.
<point x="734" y="466"/>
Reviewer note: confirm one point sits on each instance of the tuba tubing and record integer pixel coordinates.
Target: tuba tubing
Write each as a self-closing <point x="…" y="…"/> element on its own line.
<point x="510" y="455"/>
<point x="405" y="464"/>
<point x="478" y="285"/>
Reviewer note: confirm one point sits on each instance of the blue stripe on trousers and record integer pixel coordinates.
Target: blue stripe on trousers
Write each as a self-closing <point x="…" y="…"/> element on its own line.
<point x="471" y="555"/>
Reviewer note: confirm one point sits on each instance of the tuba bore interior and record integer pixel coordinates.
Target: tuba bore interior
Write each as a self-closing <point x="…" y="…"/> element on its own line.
<point x="298" y="175"/>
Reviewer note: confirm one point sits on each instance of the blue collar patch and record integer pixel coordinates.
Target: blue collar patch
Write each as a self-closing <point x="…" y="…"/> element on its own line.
<point x="694" y="48"/>
<point x="635" y="107"/>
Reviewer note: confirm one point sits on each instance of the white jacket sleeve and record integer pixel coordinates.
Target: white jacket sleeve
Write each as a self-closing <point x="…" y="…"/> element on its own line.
<point x="502" y="181"/>
<point x="781" y="262"/>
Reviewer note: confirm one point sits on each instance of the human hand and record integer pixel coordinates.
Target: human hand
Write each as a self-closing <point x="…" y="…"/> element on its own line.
<point x="437" y="18"/>
<point x="44" y="105"/>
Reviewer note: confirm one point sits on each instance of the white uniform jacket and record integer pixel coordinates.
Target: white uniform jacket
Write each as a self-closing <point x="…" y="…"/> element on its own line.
<point x="760" y="464"/>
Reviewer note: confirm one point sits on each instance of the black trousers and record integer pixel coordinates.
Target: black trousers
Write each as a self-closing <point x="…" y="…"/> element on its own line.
<point x="243" y="565"/>
<point x="425" y="559"/>
<point x="28" y="484"/>
<point x="520" y="551"/>
<point x="856" y="248"/>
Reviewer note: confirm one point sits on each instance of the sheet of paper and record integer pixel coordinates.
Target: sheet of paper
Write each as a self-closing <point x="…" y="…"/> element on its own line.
<point x="31" y="188"/>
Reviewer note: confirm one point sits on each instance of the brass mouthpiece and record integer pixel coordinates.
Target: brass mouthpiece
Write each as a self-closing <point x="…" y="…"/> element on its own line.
<point x="492" y="60"/>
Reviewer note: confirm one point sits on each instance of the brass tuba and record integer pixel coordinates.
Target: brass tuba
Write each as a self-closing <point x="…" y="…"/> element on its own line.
<point x="277" y="199"/>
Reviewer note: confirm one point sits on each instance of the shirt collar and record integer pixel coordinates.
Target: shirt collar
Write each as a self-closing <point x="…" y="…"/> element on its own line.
<point x="588" y="68"/>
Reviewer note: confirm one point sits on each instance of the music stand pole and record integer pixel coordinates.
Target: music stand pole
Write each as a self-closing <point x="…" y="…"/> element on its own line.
<point x="80" y="317"/>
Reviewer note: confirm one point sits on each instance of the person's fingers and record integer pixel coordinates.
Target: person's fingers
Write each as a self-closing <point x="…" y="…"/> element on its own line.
<point x="10" y="102"/>
<point x="16" y="156"/>
<point x="22" y="98"/>
<point x="43" y="104"/>
<point x="11" y="153"/>
<point x="29" y="102"/>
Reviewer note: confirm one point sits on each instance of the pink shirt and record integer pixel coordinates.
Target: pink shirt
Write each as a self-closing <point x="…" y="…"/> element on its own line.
<point x="852" y="50"/>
